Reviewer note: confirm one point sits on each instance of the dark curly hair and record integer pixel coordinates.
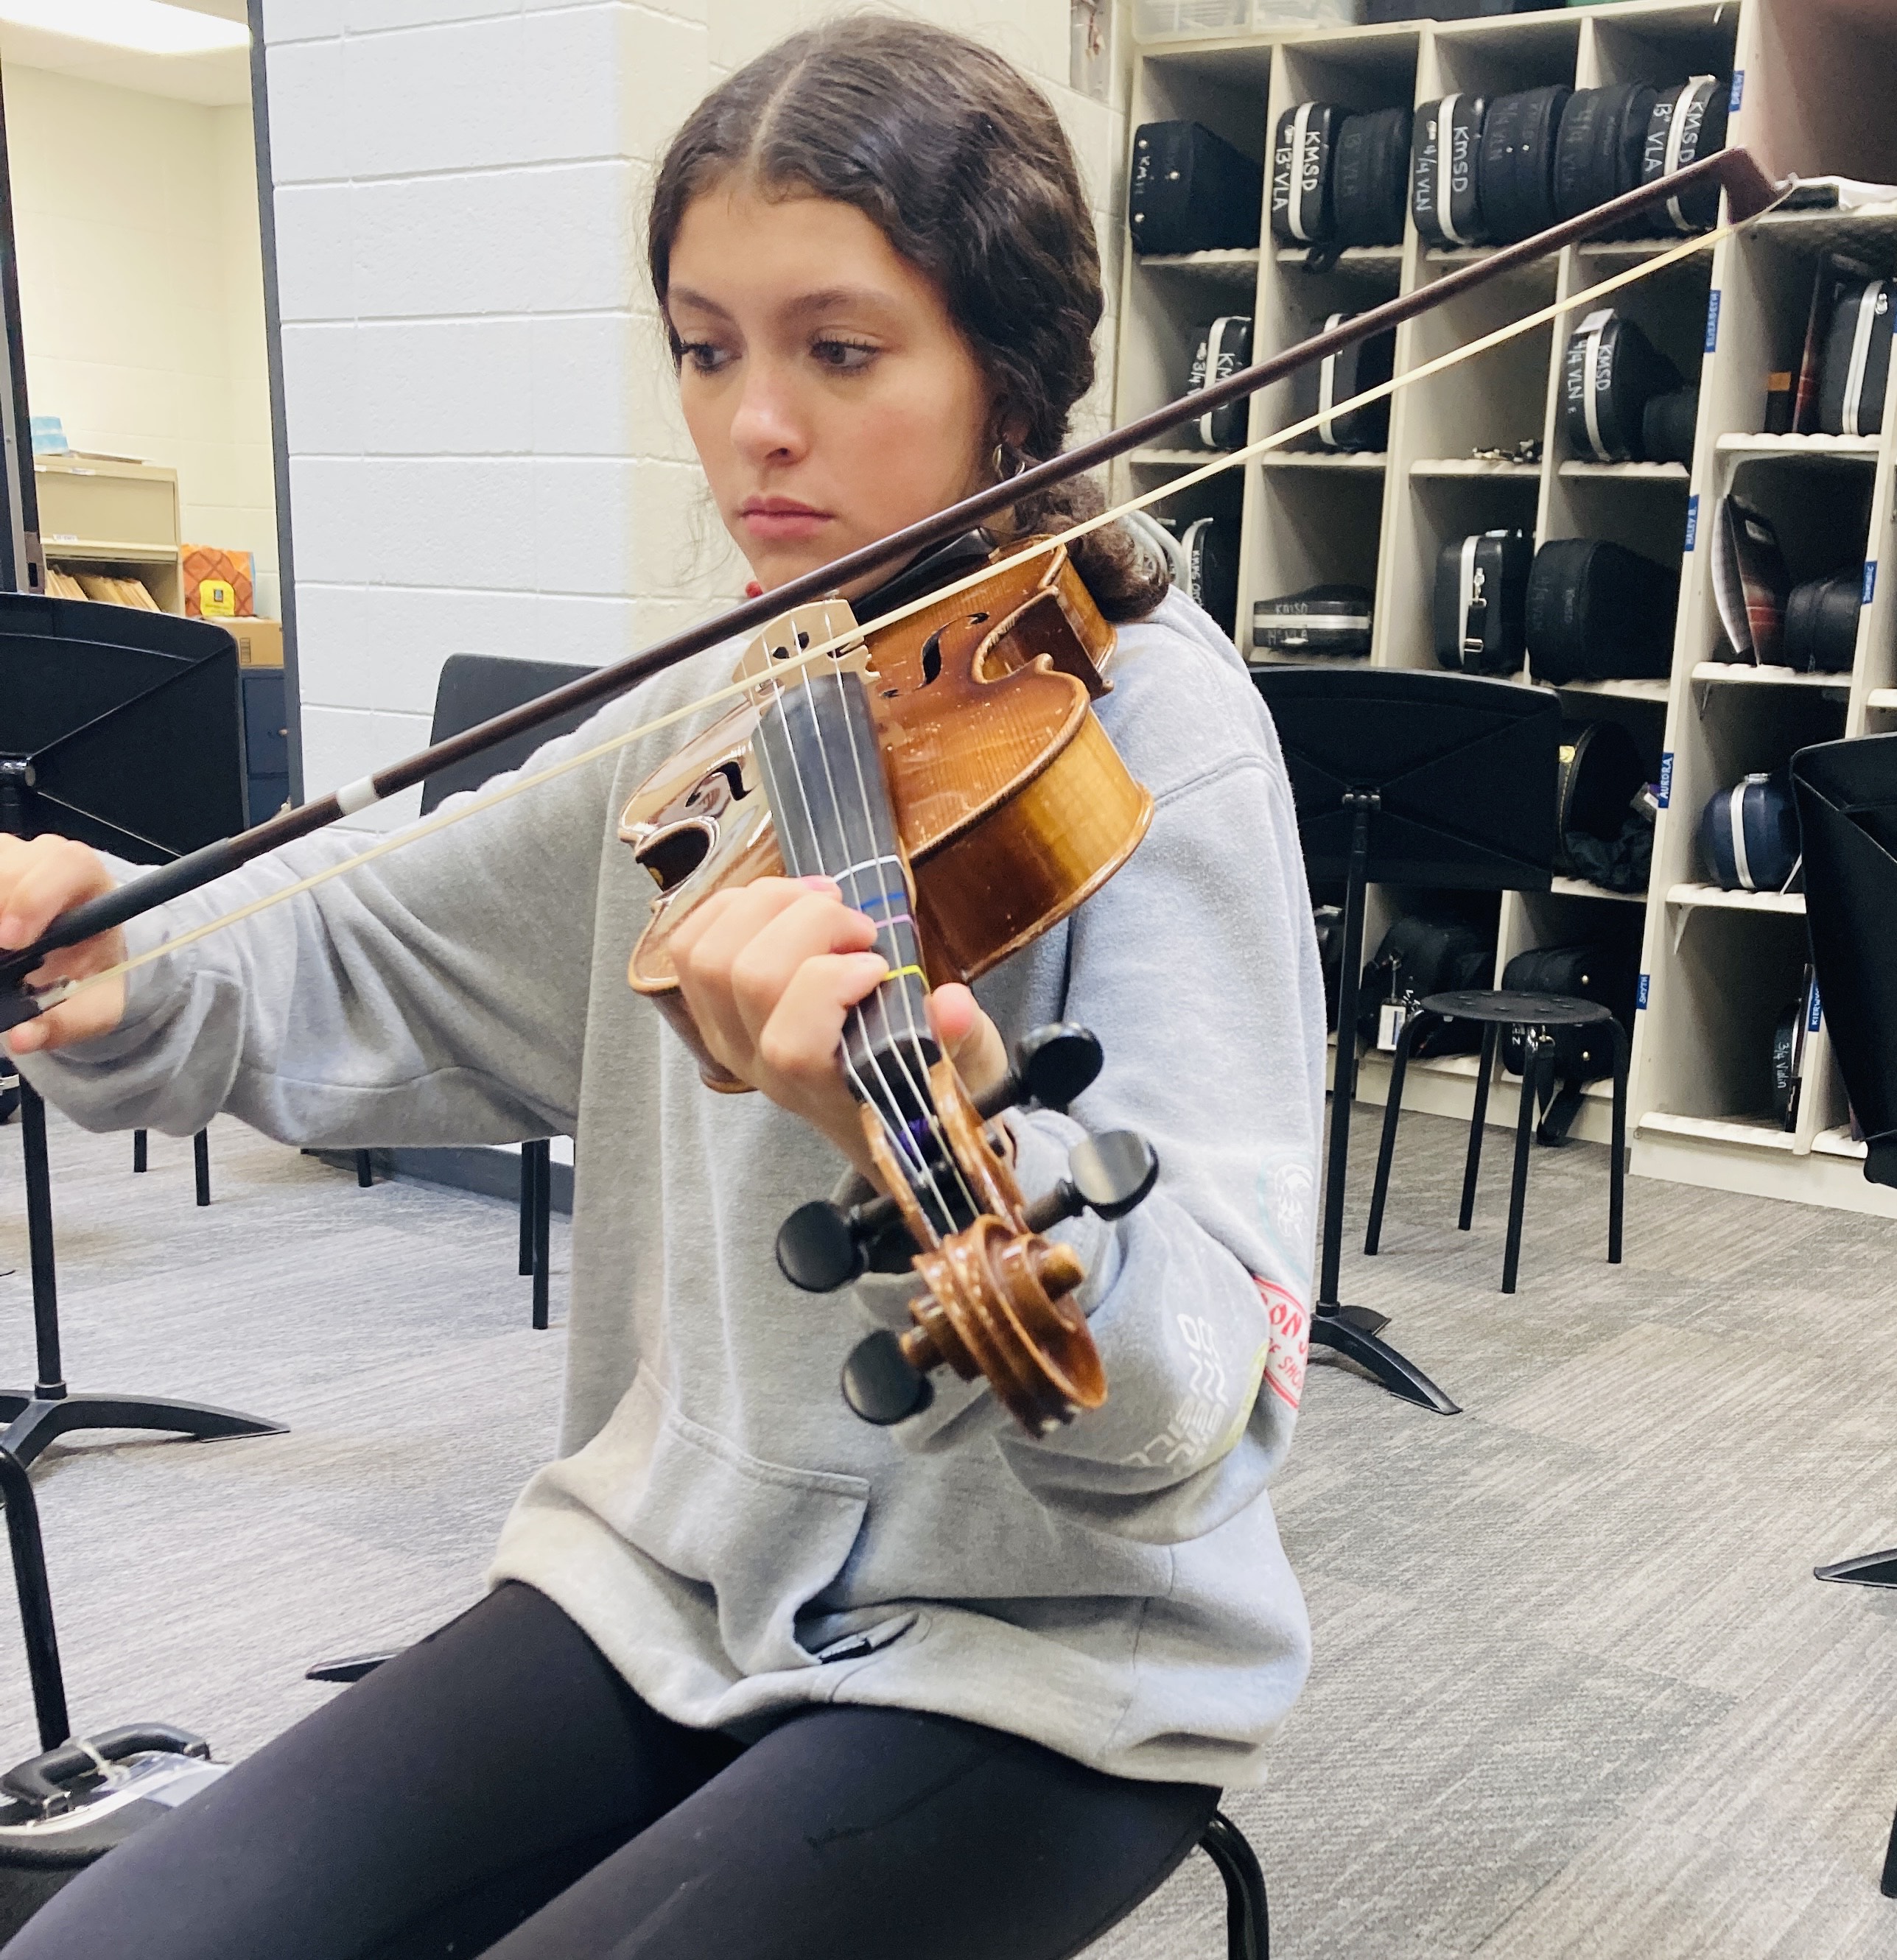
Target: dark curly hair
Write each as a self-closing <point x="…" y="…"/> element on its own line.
<point x="962" y="165"/>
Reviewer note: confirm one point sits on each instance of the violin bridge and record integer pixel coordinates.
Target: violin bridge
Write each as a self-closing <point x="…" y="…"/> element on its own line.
<point x="797" y="630"/>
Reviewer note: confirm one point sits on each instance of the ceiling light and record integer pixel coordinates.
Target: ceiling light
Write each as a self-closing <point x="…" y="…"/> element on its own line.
<point x="148" y="26"/>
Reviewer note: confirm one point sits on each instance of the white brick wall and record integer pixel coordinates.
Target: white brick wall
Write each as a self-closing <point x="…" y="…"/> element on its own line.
<point x="486" y="452"/>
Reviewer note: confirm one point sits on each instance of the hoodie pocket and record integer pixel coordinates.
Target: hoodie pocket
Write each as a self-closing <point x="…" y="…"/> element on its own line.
<point x="765" y="1539"/>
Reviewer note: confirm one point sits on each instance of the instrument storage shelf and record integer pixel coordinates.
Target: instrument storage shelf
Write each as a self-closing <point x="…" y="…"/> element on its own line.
<point x="1718" y="966"/>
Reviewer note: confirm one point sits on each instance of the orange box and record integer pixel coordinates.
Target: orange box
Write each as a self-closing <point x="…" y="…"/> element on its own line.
<point x="208" y="564"/>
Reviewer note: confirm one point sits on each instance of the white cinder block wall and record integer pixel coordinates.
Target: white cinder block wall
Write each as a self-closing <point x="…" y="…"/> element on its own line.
<point x="485" y="455"/>
<point x="141" y="293"/>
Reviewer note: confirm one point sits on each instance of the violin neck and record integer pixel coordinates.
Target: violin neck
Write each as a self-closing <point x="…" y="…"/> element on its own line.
<point x="830" y="808"/>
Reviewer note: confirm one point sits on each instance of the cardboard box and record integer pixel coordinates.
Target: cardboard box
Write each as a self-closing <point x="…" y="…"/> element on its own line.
<point x="259" y="641"/>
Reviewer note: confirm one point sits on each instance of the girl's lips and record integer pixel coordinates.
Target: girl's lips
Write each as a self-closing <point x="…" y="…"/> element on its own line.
<point x="784" y="524"/>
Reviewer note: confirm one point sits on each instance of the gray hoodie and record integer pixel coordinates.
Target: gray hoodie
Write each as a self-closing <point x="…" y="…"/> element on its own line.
<point x="734" y="1541"/>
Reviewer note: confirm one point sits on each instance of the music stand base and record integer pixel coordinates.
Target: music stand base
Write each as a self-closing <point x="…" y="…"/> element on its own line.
<point x="34" y="1421"/>
<point x="1871" y="1568"/>
<point x="1352" y="1331"/>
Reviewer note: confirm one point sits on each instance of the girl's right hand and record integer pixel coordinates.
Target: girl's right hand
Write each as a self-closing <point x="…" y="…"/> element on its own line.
<point x="39" y="880"/>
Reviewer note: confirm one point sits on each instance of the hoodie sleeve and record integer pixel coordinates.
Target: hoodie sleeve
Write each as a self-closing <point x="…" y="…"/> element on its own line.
<point x="437" y="994"/>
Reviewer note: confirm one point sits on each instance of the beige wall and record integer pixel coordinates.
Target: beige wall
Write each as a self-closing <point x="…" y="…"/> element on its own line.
<point x="141" y="293"/>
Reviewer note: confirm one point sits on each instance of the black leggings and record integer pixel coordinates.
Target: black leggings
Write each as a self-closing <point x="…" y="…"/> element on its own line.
<point x="499" y="1790"/>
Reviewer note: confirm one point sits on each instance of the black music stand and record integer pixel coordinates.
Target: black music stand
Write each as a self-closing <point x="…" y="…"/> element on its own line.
<point x="1409" y="778"/>
<point x="125" y="729"/>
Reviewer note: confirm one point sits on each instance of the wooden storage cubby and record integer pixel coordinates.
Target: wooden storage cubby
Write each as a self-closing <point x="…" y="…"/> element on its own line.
<point x="1717" y="968"/>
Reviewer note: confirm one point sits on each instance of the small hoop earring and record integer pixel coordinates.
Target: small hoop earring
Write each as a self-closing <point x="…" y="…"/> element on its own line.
<point x="997" y="463"/>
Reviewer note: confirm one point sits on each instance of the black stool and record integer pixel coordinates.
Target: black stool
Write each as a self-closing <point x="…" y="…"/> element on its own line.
<point x="1534" y="1014"/>
<point x="1248" y="1927"/>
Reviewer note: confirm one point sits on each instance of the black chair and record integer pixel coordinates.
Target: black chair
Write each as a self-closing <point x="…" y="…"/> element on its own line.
<point x="1846" y="794"/>
<point x="1533" y="1015"/>
<point x="474" y="688"/>
<point x="200" y="1159"/>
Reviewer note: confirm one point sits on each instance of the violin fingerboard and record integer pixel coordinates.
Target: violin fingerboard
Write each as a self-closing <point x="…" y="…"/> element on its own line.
<point x="830" y="806"/>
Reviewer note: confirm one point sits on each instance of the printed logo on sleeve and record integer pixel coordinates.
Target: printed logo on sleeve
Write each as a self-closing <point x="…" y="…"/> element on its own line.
<point x="1289" y="1346"/>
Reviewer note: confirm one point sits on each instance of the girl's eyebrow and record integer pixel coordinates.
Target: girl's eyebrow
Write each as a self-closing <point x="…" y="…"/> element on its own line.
<point x="830" y="298"/>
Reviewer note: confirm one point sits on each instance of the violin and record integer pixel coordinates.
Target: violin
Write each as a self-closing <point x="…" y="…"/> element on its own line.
<point x="942" y="763"/>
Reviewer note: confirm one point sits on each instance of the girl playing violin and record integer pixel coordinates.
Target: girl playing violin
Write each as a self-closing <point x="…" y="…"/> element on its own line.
<point x="754" y="1679"/>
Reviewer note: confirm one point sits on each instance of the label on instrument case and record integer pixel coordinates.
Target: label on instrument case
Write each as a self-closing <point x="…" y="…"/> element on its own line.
<point x="1666" y="780"/>
<point x="1389" y="1025"/>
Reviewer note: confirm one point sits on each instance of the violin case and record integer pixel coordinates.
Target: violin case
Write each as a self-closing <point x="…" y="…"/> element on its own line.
<point x="1318" y="387"/>
<point x="1601" y="147"/>
<point x="1601" y="774"/>
<point x="1224" y="347"/>
<point x="1597" y="611"/>
<point x="1424" y="953"/>
<point x="1515" y="177"/>
<point x="1371" y="189"/>
<point x="1612" y="372"/>
<point x="1668" y="425"/>
<point x="1192" y="191"/>
<point x="1686" y="124"/>
<point x="1607" y="975"/>
<point x="1821" y="622"/>
<point x="1328" y="620"/>
<point x="1445" y="148"/>
<point x="1211" y="570"/>
<point x="1855" y="368"/>
<point x="1481" y="604"/>
<point x="1750" y="834"/>
<point x="1304" y="173"/>
<point x="64" y="1809"/>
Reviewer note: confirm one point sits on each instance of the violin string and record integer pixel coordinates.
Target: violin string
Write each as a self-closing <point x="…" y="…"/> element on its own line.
<point x="902" y="1145"/>
<point x="457" y="810"/>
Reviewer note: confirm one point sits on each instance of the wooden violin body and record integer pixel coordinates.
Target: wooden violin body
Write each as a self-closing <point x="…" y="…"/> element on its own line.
<point x="1012" y="804"/>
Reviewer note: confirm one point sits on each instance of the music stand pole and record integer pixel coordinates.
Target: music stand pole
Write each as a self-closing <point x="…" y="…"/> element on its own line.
<point x="35" y="1601"/>
<point x="1353" y="1332"/>
<point x="35" y="1416"/>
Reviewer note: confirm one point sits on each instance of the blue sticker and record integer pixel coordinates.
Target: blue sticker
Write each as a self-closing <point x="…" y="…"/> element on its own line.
<point x="1738" y="89"/>
<point x="1692" y="522"/>
<point x="1817" y="1013"/>
<point x="1666" y="780"/>
<point x="1712" y="322"/>
<point x="1870" y="581"/>
<point x="1641" y="1003"/>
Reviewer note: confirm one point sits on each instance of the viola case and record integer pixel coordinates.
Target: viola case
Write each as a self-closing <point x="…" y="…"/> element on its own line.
<point x="1821" y="622"/>
<point x="1605" y="811"/>
<point x="1224" y="347"/>
<point x="1601" y="146"/>
<point x="1606" y="974"/>
<point x="1611" y="373"/>
<point x="1321" y="386"/>
<point x="1323" y="620"/>
<point x="1597" y="611"/>
<point x="1750" y="834"/>
<point x="1687" y="124"/>
<point x="1192" y="191"/>
<point x="1855" y="366"/>
<point x="1304" y="173"/>
<point x="1480" y="603"/>
<point x="1516" y="178"/>
<point x="1421" y="954"/>
<point x="1371" y="186"/>
<point x="1445" y="148"/>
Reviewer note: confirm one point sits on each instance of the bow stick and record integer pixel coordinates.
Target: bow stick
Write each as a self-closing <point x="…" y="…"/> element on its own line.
<point x="1749" y="195"/>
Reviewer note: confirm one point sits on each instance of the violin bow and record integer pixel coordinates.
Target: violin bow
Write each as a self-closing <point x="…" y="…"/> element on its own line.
<point x="1749" y="195"/>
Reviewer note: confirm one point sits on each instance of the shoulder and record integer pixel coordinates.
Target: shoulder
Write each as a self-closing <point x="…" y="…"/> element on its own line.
<point x="1183" y="709"/>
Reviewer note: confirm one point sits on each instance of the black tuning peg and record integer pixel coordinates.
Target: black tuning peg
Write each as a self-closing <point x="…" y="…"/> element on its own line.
<point x="1053" y="1066"/>
<point x="1107" y="1175"/>
<point x="879" y="1383"/>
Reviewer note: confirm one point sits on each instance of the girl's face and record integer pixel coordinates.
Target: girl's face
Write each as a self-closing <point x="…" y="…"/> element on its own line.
<point x="830" y="397"/>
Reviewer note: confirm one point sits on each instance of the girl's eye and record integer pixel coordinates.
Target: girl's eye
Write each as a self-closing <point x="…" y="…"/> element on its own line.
<point x="846" y="357"/>
<point x="704" y="357"/>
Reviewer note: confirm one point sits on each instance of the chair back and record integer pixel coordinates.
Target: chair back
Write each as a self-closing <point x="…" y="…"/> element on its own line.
<point x="1846" y="794"/>
<point x="473" y="688"/>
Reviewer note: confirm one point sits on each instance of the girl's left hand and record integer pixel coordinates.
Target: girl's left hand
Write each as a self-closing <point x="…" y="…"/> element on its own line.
<point x="770" y="972"/>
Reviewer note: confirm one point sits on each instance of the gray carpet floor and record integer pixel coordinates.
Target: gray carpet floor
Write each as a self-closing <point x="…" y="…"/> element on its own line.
<point x="1577" y="1696"/>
